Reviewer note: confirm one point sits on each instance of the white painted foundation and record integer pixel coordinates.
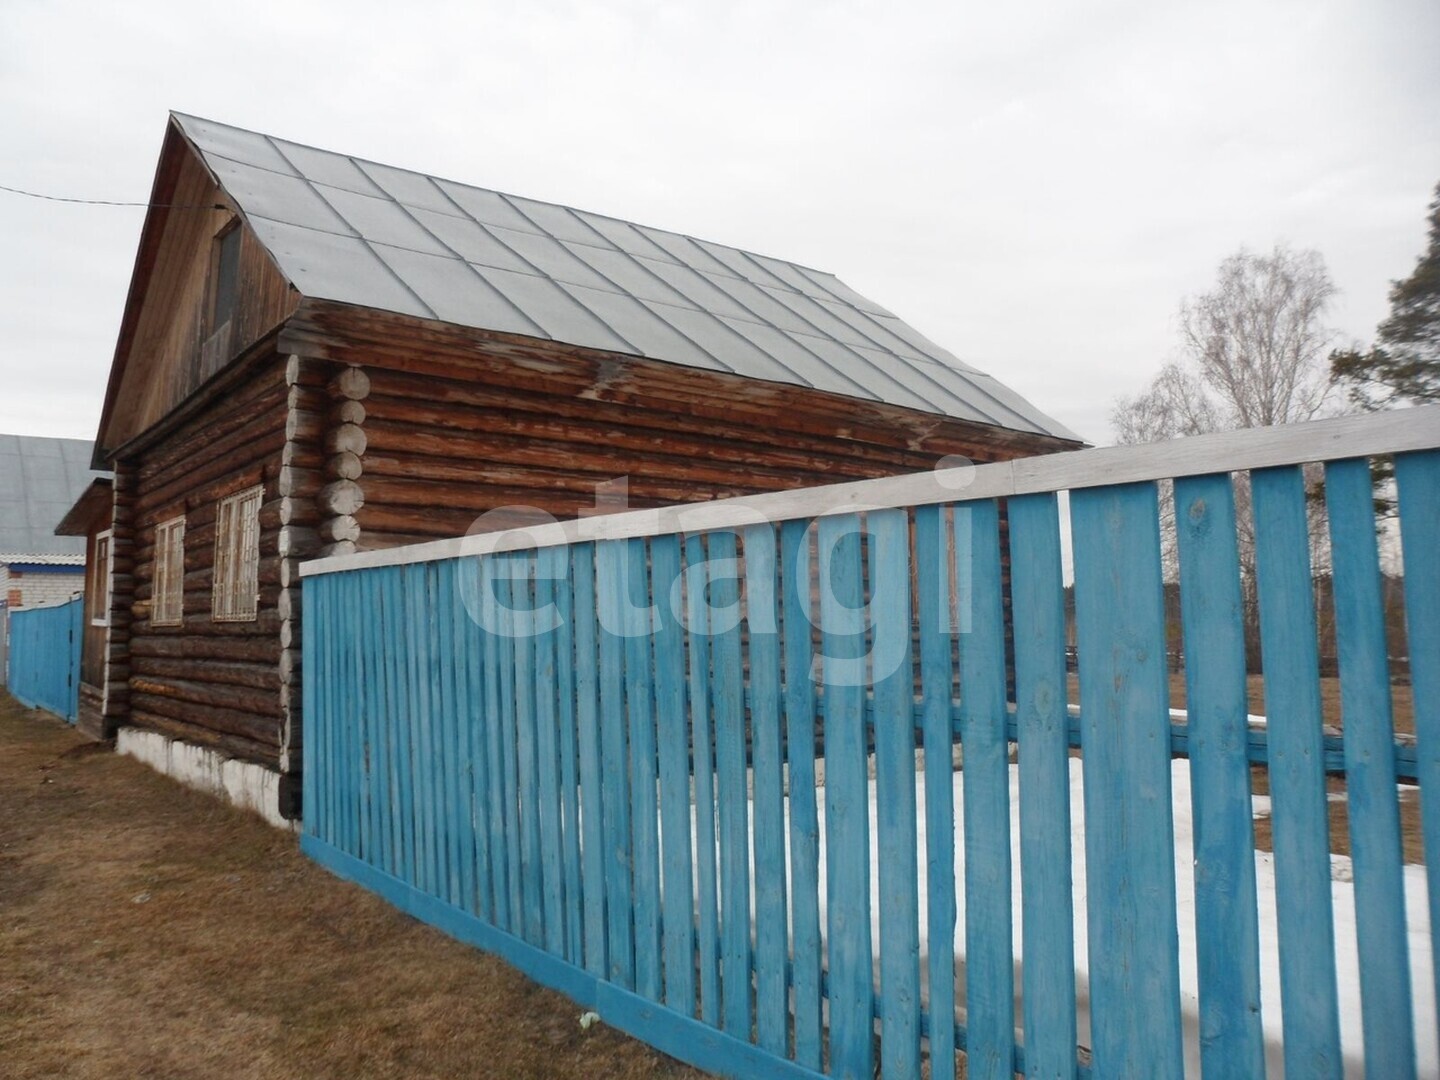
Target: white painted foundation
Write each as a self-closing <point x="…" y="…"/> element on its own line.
<point x="241" y="783"/>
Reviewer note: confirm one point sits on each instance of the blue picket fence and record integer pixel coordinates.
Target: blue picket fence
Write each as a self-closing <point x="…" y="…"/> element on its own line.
<point x="594" y="752"/>
<point x="44" y="657"/>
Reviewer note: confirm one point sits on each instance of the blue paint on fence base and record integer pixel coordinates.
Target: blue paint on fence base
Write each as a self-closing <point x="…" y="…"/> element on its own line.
<point x="669" y="1032"/>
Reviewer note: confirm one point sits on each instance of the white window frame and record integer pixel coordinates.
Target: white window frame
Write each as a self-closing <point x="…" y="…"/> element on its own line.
<point x="104" y="554"/>
<point x="168" y="586"/>
<point x="236" y="593"/>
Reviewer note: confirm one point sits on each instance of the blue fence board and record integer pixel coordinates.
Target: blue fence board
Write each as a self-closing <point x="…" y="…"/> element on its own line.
<point x="441" y="581"/>
<point x="496" y="820"/>
<point x="1418" y="480"/>
<point x="798" y="653"/>
<point x="1371" y="802"/>
<point x="697" y="609"/>
<point x="767" y="754"/>
<point x="521" y="602"/>
<point x="1299" y="819"/>
<point x="1124" y="698"/>
<point x="989" y="969"/>
<point x="674" y="738"/>
<point x="547" y="749"/>
<point x="644" y="807"/>
<point x="727" y="699"/>
<point x="847" y="798"/>
<point x="1227" y="922"/>
<point x="893" y="677"/>
<point x="937" y="677"/>
<point x="1048" y="903"/>
<point x="609" y="574"/>
<point x="565" y="675"/>
<point x="587" y="722"/>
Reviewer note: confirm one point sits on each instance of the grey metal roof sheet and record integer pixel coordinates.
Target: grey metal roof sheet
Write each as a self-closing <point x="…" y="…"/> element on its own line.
<point x="20" y="558"/>
<point x="358" y="232"/>
<point x="40" y="479"/>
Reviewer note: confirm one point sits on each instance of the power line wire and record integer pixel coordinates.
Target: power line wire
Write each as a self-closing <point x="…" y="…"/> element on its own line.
<point x="110" y="202"/>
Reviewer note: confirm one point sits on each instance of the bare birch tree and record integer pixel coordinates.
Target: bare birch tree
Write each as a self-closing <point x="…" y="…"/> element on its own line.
<point x="1254" y="354"/>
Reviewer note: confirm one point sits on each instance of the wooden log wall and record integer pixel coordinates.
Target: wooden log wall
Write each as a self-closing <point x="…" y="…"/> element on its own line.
<point x="460" y="422"/>
<point x="216" y="684"/>
<point x="440" y="450"/>
<point x="296" y="517"/>
<point x="90" y="718"/>
<point x="115" y="702"/>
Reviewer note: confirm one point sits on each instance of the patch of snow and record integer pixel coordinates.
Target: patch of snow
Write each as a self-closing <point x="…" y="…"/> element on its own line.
<point x="1343" y="895"/>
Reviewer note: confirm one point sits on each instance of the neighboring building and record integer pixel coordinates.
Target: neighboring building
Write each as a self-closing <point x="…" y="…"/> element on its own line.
<point x="39" y="480"/>
<point x="342" y="355"/>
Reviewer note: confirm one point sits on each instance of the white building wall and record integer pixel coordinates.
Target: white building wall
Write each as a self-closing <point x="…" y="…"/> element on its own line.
<point x="33" y="588"/>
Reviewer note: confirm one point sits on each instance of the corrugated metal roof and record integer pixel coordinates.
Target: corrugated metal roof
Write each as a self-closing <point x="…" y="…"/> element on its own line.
<point x="13" y="558"/>
<point x="344" y="229"/>
<point x="40" y="479"/>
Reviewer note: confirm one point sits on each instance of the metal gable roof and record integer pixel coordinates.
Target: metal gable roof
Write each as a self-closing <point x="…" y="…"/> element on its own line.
<point x="40" y="479"/>
<point x="356" y="232"/>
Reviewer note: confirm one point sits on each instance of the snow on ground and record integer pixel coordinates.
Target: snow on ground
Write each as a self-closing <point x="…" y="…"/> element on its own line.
<point x="1417" y="913"/>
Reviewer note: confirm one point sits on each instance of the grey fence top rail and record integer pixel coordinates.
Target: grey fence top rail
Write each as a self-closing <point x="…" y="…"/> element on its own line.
<point x="1367" y="435"/>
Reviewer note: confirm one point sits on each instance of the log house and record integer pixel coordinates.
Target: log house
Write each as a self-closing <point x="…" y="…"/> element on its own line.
<point x="322" y="355"/>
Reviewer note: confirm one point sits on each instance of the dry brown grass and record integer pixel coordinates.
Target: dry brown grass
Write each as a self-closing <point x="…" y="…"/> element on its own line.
<point x="149" y="931"/>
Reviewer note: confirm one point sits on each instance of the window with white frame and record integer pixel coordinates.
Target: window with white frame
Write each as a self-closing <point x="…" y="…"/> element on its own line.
<point x="99" y="584"/>
<point x="237" y="557"/>
<point x="168" y="607"/>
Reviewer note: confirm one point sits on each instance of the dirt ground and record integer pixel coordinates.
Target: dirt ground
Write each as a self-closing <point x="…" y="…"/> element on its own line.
<point x="149" y="931"/>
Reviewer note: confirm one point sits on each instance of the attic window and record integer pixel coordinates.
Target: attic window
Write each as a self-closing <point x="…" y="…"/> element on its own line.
<point x="169" y="590"/>
<point x="227" y="276"/>
<point x="237" y="557"/>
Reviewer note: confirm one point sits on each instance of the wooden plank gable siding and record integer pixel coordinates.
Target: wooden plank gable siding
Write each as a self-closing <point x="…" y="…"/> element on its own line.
<point x="167" y="343"/>
<point x="456" y="423"/>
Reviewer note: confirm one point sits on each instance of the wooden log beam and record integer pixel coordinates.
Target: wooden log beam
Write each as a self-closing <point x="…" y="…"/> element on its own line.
<point x="259" y="702"/>
<point x="343" y="527"/>
<point x="341" y="497"/>
<point x="297" y="542"/>
<point x="235" y="746"/>
<point x="352" y="383"/>
<point x="256" y="650"/>
<point x="302" y="425"/>
<point x="348" y="412"/>
<point x="347" y="438"/>
<point x="340" y="547"/>
<point x="256" y="676"/>
<point x="300" y="483"/>
<point x="345" y="465"/>
<point x="227" y="721"/>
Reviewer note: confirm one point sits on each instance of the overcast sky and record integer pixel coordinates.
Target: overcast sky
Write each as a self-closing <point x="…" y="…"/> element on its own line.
<point x="1033" y="186"/>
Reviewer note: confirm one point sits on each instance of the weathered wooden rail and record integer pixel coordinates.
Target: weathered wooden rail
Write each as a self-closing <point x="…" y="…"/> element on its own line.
<point x="572" y="747"/>
<point x="44" y="659"/>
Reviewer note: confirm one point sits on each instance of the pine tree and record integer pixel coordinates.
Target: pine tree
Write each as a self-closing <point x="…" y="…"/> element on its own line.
<point x="1404" y="364"/>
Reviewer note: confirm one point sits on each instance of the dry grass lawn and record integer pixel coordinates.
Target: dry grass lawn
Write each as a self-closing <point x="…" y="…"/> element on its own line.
<point x="149" y="931"/>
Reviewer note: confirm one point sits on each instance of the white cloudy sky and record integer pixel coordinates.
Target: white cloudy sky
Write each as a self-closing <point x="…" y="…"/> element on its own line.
<point x="1035" y="186"/>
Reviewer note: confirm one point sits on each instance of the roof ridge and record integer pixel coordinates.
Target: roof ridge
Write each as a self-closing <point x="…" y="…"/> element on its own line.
<point x="359" y="159"/>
